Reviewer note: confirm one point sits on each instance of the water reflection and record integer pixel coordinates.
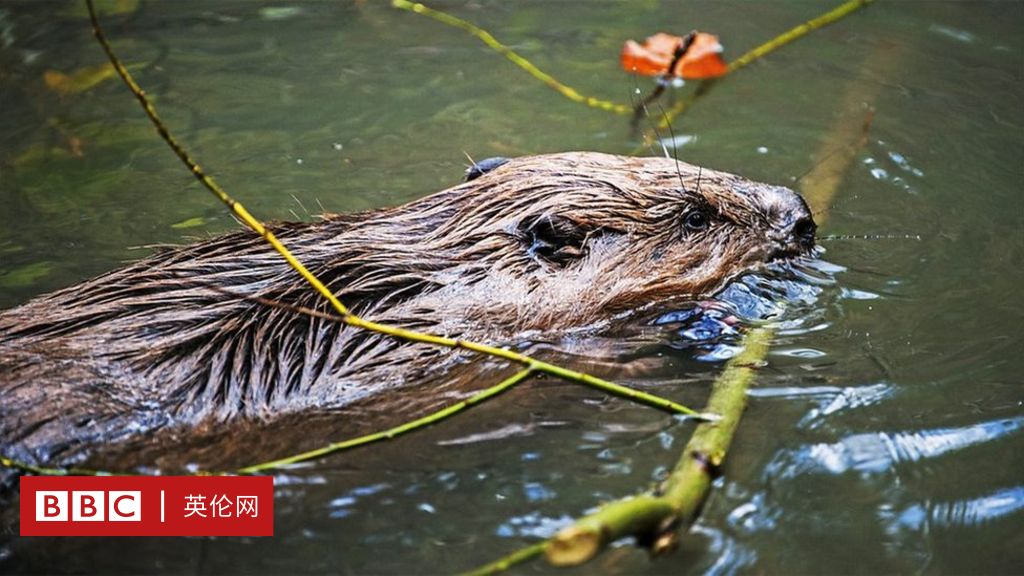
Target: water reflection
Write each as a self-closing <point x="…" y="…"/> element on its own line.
<point x="883" y="452"/>
<point x="785" y="294"/>
<point x="730" y="556"/>
<point x="880" y="474"/>
<point x="977" y="511"/>
<point x="533" y="525"/>
<point x="342" y="506"/>
<point x="829" y="400"/>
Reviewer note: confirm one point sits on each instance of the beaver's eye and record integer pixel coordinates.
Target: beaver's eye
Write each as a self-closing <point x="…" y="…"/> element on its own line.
<point x="696" y="221"/>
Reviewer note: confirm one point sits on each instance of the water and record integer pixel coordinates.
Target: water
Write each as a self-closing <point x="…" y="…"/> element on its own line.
<point x="885" y="433"/>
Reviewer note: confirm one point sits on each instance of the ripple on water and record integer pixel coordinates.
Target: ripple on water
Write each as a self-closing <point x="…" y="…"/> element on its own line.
<point x="828" y="400"/>
<point x="729" y="555"/>
<point x="802" y="353"/>
<point x="343" y="505"/>
<point x="911" y="528"/>
<point x="888" y="166"/>
<point x="536" y="492"/>
<point x="866" y="468"/>
<point x="510" y="431"/>
<point x="533" y="525"/>
<point x="977" y="511"/>
<point x="882" y="452"/>
<point x="785" y="295"/>
<point x="846" y="399"/>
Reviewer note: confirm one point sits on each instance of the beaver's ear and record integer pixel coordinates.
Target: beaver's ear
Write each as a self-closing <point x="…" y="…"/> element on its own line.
<point x="555" y="239"/>
<point x="482" y="167"/>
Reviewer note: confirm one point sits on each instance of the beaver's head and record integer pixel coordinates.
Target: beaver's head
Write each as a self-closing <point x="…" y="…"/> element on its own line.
<point x="565" y="240"/>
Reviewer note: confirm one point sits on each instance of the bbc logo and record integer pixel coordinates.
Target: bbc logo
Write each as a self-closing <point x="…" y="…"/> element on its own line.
<point x="89" y="506"/>
<point x="146" y="505"/>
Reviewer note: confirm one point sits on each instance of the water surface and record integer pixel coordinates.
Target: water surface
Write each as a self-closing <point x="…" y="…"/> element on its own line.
<point x="885" y="432"/>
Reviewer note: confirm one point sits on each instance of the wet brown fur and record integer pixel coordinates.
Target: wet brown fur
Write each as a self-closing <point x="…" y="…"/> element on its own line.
<point x="542" y="244"/>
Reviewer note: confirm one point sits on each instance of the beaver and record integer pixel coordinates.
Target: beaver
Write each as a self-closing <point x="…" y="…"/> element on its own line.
<point x="533" y="245"/>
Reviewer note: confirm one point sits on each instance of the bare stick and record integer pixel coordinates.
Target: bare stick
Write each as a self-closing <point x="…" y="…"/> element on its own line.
<point x="506" y="562"/>
<point x="513" y="57"/>
<point x="390" y="433"/>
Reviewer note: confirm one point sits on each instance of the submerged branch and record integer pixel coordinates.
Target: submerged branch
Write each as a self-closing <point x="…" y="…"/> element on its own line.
<point x="652" y="518"/>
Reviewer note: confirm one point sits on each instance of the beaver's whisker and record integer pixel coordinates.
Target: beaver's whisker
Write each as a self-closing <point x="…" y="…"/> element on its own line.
<point x="844" y="147"/>
<point x="870" y="237"/>
<point x="835" y="205"/>
<point x="813" y="167"/>
<point x="642" y="106"/>
<point x="675" y="145"/>
<point x="654" y="128"/>
<point x="301" y="205"/>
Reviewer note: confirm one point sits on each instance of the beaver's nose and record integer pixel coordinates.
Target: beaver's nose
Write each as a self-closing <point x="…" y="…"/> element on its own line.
<point x="803" y="231"/>
<point x="793" y="225"/>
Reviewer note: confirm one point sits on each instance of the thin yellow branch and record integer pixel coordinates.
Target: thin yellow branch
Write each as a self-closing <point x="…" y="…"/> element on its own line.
<point x="761" y="51"/>
<point x="201" y="175"/>
<point x="796" y="32"/>
<point x="513" y="57"/>
<point x="25" y="467"/>
<point x="682" y="105"/>
<point x="332" y="448"/>
<point x="506" y="562"/>
<point x="428" y="420"/>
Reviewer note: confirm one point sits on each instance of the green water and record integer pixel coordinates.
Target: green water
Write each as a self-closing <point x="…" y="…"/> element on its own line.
<point x="886" y="433"/>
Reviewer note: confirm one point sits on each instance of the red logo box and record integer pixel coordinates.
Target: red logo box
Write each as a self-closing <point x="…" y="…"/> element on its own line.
<point x="147" y="506"/>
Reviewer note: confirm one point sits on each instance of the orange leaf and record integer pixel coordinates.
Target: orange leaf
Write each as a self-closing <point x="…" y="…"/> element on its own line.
<point x="696" y="56"/>
<point x="638" y="59"/>
<point x="703" y="59"/>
